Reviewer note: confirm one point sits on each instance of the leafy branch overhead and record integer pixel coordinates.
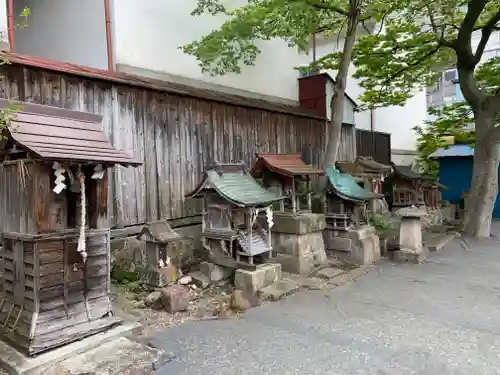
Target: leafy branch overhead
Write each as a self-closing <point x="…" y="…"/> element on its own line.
<point x="235" y="43"/>
<point x="425" y="37"/>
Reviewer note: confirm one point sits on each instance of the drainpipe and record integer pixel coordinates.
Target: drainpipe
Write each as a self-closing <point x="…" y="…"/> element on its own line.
<point x="10" y="25"/>
<point x="372" y="121"/>
<point x="109" y="44"/>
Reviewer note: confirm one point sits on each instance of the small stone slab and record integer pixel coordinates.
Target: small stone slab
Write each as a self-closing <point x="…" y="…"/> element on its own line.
<point x="409" y="256"/>
<point x="329" y="273"/>
<point x="276" y="291"/>
<point x="200" y="280"/>
<point x="439" y="243"/>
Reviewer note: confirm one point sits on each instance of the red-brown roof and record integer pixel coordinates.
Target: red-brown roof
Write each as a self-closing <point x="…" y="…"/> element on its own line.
<point x="285" y="164"/>
<point x="62" y="135"/>
<point x="158" y="85"/>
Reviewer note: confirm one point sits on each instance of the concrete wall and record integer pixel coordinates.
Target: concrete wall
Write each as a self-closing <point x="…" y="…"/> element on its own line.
<point x="148" y="35"/>
<point x="64" y="30"/>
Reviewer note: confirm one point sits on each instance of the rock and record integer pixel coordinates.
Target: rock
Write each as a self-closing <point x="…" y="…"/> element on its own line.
<point x="175" y="298"/>
<point x="139" y="372"/>
<point x="185" y="280"/>
<point x="153" y="299"/>
<point x="200" y="280"/>
<point x="279" y="290"/>
<point x="241" y="301"/>
<point x="215" y="272"/>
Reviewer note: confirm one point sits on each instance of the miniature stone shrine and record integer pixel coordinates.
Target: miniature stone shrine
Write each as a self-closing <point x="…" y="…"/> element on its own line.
<point x="232" y="235"/>
<point x="347" y="231"/>
<point x="159" y="237"/>
<point x="411" y="247"/>
<point x="404" y="187"/>
<point x="297" y="232"/>
<point x="56" y="238"/>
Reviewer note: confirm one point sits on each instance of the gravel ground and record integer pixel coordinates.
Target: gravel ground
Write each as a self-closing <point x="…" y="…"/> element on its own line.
<point x="436" y="318"/>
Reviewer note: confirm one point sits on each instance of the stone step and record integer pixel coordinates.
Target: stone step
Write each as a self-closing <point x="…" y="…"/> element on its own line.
<point x="277" y="291"/>
<point x="329" y="273"/>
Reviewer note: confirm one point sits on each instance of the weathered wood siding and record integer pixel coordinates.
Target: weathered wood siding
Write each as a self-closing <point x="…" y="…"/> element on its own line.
<point x="175" y="137"/>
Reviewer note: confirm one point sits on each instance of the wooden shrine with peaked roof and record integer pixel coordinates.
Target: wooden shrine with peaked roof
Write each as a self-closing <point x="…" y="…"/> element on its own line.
<point x="345" y="201"/>
<point x="369" y="173"/>
<point x="288" y="175"/>
<point x="54" y="223"/>
<point x="344" y="205"/>
<point x="232" y="202"/>
<point x="404" y="187"/>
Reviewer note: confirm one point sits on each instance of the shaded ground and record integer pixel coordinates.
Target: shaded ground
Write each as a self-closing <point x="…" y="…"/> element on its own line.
<point x="440" y="317"/>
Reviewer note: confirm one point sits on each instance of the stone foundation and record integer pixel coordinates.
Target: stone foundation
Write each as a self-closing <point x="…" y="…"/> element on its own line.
<point x="365" y="247"/>
<point x="358" y="246"/>
<point x="253" y="281"/>
<point x="298" y="240"/>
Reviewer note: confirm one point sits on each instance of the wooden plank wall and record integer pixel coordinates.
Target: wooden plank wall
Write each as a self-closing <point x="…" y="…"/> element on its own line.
<point x="175" y="137"/>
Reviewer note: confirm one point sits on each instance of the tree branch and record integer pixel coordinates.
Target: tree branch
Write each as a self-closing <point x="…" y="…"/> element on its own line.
<point x="322" y="5"/>
<point x="485" y="36"/>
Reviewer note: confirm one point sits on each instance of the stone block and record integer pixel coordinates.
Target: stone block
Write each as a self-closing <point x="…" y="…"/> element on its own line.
<point x="252" y="281"/>
<point x="365" y="246"/>
<point x="298" y="224"/>
<point x="302" y="265"/>
<point x="329" y="273"/>
<point x="175" y="298"/>
<point x="279" y="290"/>
<point x="215" y="272"/>
<point x="160" y="277"/>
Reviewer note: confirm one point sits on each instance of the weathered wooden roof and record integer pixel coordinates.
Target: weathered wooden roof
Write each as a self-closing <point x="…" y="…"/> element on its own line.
<point x="160" y="232"/>
<point x="233" y="183"/>
<point x="371" y="165"/>
<point x="158" y="85"/>
<point x="289" y="165"/>
<point x="346" y="186"/>
<point x="405" y="171"/>
<point x="62" y="135"/>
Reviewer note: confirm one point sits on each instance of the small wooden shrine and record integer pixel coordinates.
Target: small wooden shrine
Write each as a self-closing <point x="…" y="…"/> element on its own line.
<point x="369" y="173"/>
<point x="345" y="201"/>
<point x="232" y="202"/>
<point x="432" y="192"/>
<point x="288" y="175"/>
<point x="404" y="187"/>
<point x="56" y="239"/>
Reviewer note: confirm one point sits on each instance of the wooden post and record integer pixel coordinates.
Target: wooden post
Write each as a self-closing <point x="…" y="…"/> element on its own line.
<point x="309" y="203"/>
<point x="249" y="225"/>
<point x="294" y="202"/>
<point x="282" y="202"/>
<point x="98" y="202"/>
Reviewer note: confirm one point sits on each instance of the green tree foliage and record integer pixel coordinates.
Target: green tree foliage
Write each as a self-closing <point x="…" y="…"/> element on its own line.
<point x="423" y="39"/>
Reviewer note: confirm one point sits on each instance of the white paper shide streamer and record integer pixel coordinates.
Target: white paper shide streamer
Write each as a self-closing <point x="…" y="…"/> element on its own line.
<point x="60" y="178"/>
<point x="81" y="240"/>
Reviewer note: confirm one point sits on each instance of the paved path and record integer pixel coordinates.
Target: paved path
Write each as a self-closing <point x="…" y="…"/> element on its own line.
<point x="441" y="317"/>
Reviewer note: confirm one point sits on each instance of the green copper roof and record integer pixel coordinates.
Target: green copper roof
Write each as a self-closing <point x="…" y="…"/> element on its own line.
<point x="233" y="183"/>
<point x="346" y="186"/>
<point x="405" y="171"/>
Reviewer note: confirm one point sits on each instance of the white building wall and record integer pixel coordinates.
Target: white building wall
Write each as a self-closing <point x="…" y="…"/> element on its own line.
<point x="148" y="35"/>
<point x="4" y="29"/>
<point x="65" y="30"/>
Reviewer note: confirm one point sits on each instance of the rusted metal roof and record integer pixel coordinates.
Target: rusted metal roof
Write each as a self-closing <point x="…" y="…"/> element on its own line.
<point x="158" y="85"/>
<point x="285" y="164"/>
<point x="349" y="167"/>
<point x="62" y="135"/>
<point x="370" y="165"/>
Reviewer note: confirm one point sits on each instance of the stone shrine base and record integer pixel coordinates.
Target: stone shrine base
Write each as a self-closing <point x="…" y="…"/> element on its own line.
<point x="298" y="241"/>
<point x="357" y="246"/>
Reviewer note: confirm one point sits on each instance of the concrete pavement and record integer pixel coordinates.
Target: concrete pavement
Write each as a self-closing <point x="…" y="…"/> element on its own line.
<point x="440" y="317"/>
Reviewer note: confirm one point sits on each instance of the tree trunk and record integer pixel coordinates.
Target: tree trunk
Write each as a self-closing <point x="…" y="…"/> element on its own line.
<point x="484" y="188"/>
<point x="334" y="127"/>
